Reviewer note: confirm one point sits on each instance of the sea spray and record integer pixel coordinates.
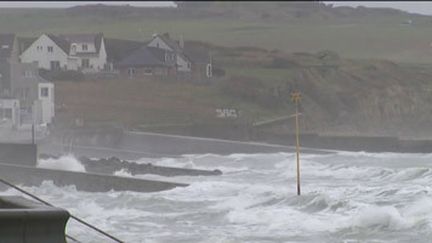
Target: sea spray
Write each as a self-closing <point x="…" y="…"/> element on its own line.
<point x="347" y="197"/>
<point x="65" y="162"/>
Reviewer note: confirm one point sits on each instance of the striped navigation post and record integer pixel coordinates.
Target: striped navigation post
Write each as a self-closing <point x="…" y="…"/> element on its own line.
<point x="295" y="97"/>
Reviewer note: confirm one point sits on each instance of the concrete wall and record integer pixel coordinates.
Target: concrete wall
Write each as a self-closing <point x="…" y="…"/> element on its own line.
<point x="24" y="175"/>
<point x="18" y="154"/>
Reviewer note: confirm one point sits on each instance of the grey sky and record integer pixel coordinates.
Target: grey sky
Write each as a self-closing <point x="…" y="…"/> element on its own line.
<point x="414" y="7"/>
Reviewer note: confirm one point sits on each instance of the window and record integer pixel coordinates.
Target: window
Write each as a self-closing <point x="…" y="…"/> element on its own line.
<point x="73" y="48"/>
<point x="131" y="72"/>
<point x="39" y="48"/>
<point x="84" y="47"/>
<point x="55" y="65"/>
<point x="44" y="92"/>
<point x="189" y="65"/>
<point x="50" y="49"/>
<point x="85" y="63"/>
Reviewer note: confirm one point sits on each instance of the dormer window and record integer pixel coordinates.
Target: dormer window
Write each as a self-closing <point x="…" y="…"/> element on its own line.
<point x="50" y="49"/>
<point x="84" y="47"/>
<point x="73" y="48"/>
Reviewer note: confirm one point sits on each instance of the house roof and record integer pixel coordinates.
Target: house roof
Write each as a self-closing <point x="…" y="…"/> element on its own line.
<point x="118" y="49"/>
<point x="60" y="42"/>
<point x="145" y="56"/>
<point x="24" y="43"/>
<point x="65" y="41"/>
<point x="6" y="45"/>
<point x="176" y="47"/>
<point x="196" y="54"/>
<point x="170" y="42"/>
<point x="84" y="38"/>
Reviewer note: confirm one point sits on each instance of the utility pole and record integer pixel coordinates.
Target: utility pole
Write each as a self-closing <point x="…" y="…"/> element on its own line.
<point x="295" y="97"/>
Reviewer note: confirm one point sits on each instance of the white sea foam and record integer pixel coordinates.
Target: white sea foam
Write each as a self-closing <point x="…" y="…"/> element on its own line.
<point x="123" y="172"/>
<point x="368" y="197"/>
<point x="66" y="162"/>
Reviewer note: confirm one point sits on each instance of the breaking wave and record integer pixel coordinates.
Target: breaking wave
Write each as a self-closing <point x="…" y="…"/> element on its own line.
<point x="66" y="162"/>
<point x="346" y="197"/>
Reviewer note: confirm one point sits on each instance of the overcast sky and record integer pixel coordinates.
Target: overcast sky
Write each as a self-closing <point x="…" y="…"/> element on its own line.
<point x="414" y="7"/>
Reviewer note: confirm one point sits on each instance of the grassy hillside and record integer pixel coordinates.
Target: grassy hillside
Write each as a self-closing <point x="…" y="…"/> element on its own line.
<point x="335" y="56"/>
<point x="343" y="96"/>
<point x="354" y="33"/>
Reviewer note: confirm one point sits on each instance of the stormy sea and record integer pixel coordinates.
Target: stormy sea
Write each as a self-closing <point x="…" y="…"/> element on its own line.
<point x="346" y="197"/>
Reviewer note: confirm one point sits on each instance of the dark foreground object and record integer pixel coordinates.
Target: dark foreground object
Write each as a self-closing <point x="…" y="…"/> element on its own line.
<point x="91" y="182"/>
<point x="24" y="221"/>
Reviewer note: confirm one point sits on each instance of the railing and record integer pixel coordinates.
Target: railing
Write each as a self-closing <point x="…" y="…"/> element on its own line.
<point x="72" y="216"/>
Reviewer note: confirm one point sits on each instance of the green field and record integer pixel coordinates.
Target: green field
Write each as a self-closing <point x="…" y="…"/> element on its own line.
<point x="376" y="37"/>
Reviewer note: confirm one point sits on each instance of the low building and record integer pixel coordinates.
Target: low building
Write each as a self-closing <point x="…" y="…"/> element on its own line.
<point x="118" y="49"/>
<point x="193" y="62"/>
<point x="148" y="62"/>
<point x="202" y="64"/>
<point x="165" y="42"/>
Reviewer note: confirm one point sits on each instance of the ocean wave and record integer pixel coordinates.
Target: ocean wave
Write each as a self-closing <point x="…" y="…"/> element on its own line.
<point x="65" y="162"/>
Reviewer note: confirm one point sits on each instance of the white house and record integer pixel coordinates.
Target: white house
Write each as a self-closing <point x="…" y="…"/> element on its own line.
<point x="48" y="52"/>
<point x="165" y="42"/>
<point x="83" y="52"/>
<point x="87" y="52"/>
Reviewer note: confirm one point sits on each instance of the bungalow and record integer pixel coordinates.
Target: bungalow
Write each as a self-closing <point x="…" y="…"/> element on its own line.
<point x="201" y="61"/>
<point x="191" y="62"/>
<point x="148" y="61"/>
<point x="83" y="52"/>
<point x="165" y="42"/>
<point x="118" y="49"/>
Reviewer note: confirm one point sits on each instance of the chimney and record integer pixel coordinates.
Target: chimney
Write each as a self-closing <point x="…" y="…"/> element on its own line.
<point x="181" y="42"/>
